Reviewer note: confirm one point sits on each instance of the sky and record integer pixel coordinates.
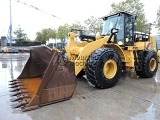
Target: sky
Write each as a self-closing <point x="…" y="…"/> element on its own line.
<point x="67" y="11"/>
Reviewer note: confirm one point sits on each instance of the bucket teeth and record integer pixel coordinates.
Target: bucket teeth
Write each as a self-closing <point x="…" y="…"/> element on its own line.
<point x="19" y="98"/>
<point x="13" y="83"/>
<point x="17" y="89"/>
<point x="13" y="80"/>
<point x="16" y="85"/>
<point x="18" y="92"/>
<point x="19" y="104"/>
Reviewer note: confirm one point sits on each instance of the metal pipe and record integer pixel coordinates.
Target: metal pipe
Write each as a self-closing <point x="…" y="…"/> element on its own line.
<point x="10" y="31"/>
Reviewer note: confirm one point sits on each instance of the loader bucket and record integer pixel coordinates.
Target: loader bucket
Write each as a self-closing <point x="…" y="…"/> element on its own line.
<point x="46" y="78"/>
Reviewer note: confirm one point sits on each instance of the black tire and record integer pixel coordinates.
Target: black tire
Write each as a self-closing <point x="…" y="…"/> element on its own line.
<point x="95" y="64"/>
<point x="146" y="71"/>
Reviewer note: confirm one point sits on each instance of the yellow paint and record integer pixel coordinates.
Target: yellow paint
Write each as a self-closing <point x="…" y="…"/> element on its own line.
<point x="110" y="69"/>
<point x="118" y="49"/>
<point x="5" y="49"/>
<point x="80" y="61"/>
<point x="72" y="42"/>
<point x="152" y="64"/>
<point x="56" y="49"/>
<point x="158" y="53"/>
<point x="129" y="58"/>
<point x="79" y="53"/>
<point x="151" y="44"/>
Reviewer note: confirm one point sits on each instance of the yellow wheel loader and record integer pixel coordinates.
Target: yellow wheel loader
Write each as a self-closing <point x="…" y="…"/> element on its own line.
<point x="50" y="77"/>
<point x="59" y="46"/>
<point x="5" y="50"/>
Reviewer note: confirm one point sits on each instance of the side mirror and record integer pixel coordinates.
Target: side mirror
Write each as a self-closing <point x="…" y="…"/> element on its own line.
<point x="114" y="30"/>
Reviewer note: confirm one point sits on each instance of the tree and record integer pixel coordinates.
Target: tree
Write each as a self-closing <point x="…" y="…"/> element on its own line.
<point x="158" y="20"/>
<point x="20" y="34"/>
<point x="45" y="34"/>
<point x="94" y="25"/>
<point x="62" y="32"/>
<point x="134" y="7"/>
<point x="77" y="25"/>
<point x="52" y="33"/>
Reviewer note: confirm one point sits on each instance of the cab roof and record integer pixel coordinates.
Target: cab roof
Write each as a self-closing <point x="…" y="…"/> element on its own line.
<point x="121" y="12"/>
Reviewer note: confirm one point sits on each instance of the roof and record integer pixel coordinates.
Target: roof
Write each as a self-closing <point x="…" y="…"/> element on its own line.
<point x="123" y="12"/>
<point x="138" y="32"/>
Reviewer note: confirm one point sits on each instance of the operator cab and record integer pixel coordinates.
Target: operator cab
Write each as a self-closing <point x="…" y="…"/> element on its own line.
<point x="124" y="23"/>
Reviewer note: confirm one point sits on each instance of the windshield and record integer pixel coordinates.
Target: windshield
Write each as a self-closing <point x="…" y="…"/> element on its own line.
<point x="109" y="23"/>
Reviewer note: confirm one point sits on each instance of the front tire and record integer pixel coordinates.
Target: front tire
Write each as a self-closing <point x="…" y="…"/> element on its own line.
<point x="104" y="68"/>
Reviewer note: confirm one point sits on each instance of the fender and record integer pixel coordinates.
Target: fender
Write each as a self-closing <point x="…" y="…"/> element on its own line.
<point x="80" y="61"/>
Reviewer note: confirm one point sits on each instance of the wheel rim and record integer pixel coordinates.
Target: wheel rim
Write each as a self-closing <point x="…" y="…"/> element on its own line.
<point x="110" y="69"/>
<point x="152" y="64"/>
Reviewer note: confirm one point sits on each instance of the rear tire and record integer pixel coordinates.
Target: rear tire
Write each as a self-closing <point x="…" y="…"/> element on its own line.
<point x="149" y="65"/>
<point x="103" y="68"/>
